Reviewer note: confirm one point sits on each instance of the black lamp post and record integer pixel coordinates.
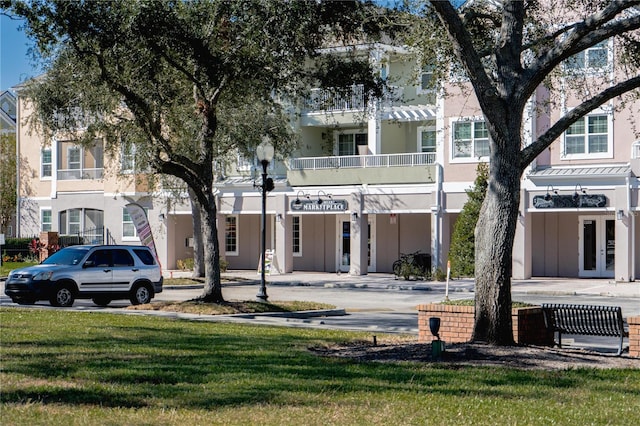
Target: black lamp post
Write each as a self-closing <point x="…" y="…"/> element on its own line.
<point x="264" y="152"/>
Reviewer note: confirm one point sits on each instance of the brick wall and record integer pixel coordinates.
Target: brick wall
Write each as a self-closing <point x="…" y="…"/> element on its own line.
<point x="634" y="336"/>
<point x="456" y="324"/>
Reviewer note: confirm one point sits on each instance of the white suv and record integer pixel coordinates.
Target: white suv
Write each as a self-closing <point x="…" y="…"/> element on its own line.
<point x="100" y="273"/>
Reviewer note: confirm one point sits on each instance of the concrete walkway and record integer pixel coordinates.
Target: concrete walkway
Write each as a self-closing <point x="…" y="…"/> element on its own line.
<point x="542" y="286"/>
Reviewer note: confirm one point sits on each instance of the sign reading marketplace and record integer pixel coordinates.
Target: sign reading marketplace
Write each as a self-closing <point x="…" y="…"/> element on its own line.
<point x="319" y="206"/>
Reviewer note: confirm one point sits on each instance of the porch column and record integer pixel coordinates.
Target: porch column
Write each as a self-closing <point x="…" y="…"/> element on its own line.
<point x="283" y="233"/>
<point x="359" y="236"/>
<point x="521" y="255"/>
<point x="222" y="231"/>
<point x="373" y="130"/>
<point x="623" y="236"/>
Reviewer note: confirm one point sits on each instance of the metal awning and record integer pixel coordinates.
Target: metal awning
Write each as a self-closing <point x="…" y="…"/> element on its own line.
<point x="572" y="173"/>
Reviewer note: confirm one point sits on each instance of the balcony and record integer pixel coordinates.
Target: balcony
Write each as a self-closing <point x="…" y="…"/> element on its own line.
<point x="345" y="99"/>
<point x="79" y="174"/>
<point x="359" y="169"/>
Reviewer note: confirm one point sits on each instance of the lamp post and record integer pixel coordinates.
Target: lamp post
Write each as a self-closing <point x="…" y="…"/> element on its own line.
<point x="264" y="152"/>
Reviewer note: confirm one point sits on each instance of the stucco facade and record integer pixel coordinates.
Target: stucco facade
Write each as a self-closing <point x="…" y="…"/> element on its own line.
<point x="369" y="182"/>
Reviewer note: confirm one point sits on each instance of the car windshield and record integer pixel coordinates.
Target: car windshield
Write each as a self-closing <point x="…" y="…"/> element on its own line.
<point x="67" y="256"/>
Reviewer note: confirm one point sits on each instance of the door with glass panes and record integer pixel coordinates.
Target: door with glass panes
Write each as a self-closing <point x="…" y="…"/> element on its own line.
<point x="597" y="246"/>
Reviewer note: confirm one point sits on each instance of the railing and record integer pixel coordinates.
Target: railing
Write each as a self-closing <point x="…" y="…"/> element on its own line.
<point x="79" y="174"/>
<point x="346" y="98"/>
<point x="87" y="236"/>
<point x="363" y="161"/>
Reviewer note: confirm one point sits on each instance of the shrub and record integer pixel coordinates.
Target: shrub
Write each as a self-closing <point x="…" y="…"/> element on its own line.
<point x="462" y="250"/>
<point x="185" y="264"/>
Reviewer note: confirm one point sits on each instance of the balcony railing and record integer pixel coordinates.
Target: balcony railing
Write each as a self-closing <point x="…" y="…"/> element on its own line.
<point x="363" y="161"/>
<point x="346" y="99"/>
<point x="78" y="174"/>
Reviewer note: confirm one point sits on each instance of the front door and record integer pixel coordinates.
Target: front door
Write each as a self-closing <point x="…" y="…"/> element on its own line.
<point x="597" y="247"/>
<point x="344" y="244"/>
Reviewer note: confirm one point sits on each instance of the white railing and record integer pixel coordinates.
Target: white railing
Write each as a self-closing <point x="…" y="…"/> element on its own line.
<point x="78" y="174"/>
<point x="635" y="150"/>
<point x="346" y="99"/>
<point x="363" y="161"/>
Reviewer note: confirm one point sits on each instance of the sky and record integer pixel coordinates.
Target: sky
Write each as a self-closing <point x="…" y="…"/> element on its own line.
<point x="15" y="62"/>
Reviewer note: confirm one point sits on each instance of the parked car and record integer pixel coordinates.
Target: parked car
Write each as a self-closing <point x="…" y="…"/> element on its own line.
<point x="97" y="272"/>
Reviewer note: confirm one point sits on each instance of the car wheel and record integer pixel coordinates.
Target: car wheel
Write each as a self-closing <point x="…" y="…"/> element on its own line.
<point x="101" y="301"/>
<point x="63" y="296"/>
<point x="141" y="294"/>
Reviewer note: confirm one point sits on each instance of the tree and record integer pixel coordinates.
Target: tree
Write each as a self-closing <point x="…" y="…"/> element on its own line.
<point x="508" y="50"/>
<point x="8" y="194"/>
<point x="186" y="83"/>
<point x="462" y="249"/>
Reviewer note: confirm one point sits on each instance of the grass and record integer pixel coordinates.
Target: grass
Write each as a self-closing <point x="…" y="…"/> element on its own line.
<point x="231" y="307"/>
<point x="80" y="368"/>
<point x="9" y="266"/>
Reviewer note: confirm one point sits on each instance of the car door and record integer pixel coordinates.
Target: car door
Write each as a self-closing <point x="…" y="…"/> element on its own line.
<point x="96" y="273"/>
<point x="125" y="272"/>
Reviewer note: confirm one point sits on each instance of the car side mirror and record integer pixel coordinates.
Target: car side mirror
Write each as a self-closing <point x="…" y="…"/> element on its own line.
<point x="88" y="264"/>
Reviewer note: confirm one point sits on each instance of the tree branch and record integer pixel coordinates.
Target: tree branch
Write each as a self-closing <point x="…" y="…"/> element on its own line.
<point x="529" y="153"/>
<point x="467" y="54"/>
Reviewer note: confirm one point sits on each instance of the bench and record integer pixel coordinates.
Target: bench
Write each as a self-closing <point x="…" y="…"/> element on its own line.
<point x="585" y="320"/>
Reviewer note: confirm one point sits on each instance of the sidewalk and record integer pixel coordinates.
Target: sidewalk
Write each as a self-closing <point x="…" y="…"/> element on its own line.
<point x="545" y="286"/>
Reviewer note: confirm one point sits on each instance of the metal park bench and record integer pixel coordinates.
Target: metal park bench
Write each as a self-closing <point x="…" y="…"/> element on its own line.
<point x="585" y="320"/>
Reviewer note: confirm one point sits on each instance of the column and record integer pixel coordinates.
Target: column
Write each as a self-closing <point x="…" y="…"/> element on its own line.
<point x="521" y="254"/>
<point x="283" y="232"/>
<point x="359" y="236"/>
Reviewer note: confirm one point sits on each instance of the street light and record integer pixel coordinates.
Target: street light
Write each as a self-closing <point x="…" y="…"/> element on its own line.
<point x="264" y="152"/>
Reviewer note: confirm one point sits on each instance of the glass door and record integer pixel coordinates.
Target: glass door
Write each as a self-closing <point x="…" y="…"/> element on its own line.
<point x="344" y="244"/>
<point x="597" y="247"/>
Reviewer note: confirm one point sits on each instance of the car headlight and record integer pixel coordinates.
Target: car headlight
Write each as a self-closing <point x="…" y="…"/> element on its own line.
<point x="41" y="276"/>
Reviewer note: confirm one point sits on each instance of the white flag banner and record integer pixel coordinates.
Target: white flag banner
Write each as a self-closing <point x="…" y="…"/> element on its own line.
<point x="140" y="221"/>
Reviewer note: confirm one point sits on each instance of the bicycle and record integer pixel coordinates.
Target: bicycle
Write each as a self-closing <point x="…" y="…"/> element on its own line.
<point x="416" y="264"/>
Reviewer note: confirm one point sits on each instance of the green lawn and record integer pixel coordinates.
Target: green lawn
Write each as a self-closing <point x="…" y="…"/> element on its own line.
<point x="9" y="266"/>
<point x="79" y="368"/>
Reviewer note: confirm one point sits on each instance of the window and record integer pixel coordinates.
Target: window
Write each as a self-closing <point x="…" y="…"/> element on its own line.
<point x="87" y="223"/>
<point x="588" y="137"/>
<point x="45" y="220"/>
<point x="128" y="228"/>
<point x="128" y="158"/>
<point x="145" y="256"/>
<point x="470" y="140"/>
<point x="231" y="235"/>
<point x="593" y="58"/>
<point x="73" y="223"/>
<point x="296" y="233"/>
<point x="76" y="162"/>
<point x="122" y="257"/>
<point x="425" y="83"/>
<point x="427" y="138"/>
<point x="45" y="172"/>
<point x="73" y="158"/>
<point x="348" y="143"/>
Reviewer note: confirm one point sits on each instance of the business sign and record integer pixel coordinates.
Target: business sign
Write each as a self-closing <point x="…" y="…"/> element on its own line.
<point x="569" y="201"/>
<point x="319" y="206"/>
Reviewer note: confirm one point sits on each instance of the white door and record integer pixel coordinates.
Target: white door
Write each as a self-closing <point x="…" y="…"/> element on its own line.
<point x="597" y="246"/>
<point x="344" y="243"/>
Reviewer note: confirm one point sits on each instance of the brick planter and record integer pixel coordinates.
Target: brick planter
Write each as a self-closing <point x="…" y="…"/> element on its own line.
<point x="634" y="336"/>
<point x="456" y="324"/>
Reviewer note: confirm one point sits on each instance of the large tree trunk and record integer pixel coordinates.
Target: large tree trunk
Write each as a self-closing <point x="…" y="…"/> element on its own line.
<point x="198" y="249"/>
<point x="495" y="232"/>
<point x="213" y="284"/>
